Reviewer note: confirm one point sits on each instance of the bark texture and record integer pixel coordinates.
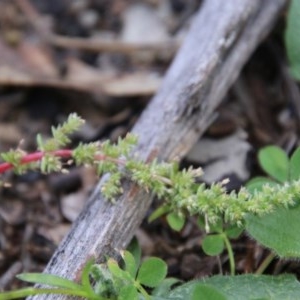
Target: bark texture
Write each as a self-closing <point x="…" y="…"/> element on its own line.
<point x="223" y="36"/>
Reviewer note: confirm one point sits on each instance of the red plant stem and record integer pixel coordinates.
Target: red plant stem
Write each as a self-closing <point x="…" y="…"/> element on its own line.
<point x="36" y="156"/>
<point x="63" y="153"/>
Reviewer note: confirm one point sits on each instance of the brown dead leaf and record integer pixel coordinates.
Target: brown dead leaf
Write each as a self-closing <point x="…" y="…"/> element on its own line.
<point x="30" y="65"/>
<point x="55" y="234"/>
<point x="10" y="133"/>
<point x="72" y="204"/>
<point x="12" y="211"/>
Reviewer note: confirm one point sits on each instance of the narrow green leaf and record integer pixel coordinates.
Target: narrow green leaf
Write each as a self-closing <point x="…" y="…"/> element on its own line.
<point x="274" y="161"/>
<point x="152" y="272"/>
<point x="278" y="231"/>
<point x="22" y="293"/>
<point x="213" y="244"/>
<point x="85" y="277"/>
<point x="206" y="292"/>
<point x="160" y="211"/>
<point x="295" y="165"/>
<point x="17" y="294"/>
<point x="175" y="221"/>
<point x="39" y="141"/>
<point x="48" y="279"/>
<point x="292" y="40"/>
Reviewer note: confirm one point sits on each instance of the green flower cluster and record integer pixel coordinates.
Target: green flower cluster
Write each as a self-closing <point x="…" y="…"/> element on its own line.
<point x="177" y="188"/>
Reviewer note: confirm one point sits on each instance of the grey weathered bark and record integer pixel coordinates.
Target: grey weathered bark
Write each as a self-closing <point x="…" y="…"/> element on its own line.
<point x="222" y="38"/>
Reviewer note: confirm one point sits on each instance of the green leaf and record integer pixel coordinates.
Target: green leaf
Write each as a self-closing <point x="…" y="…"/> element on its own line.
<point x="213" y="244"/>
<point x="206" y="292"/>
<point x="274" y="161"/>
<point x="233" y="231"/>
<point x="256" y="183"/>
<point x="160" y="211"/>
<point x="201" y="222"/>
<point x="128" y="292"/>
<point x="165" y="286"/>
<point x="175" y="221"/>
<point x="295" y="165"/>
<point x="48" y="279"/>
<point x="116" y="271"/>
<point x="130" y="264"/>
<point x="22" y="293"/>
<point x="152" y="272"/>
<point x="135" y="249"/>
<point x="244" y="287"/>
<point x="292" y="40"/>
<point x="17" y="294"/>
<point x="216" y="227"/>
<point x="39" y="141"/>
<point x="85" y="277"/>
<point x="278" y="231"/>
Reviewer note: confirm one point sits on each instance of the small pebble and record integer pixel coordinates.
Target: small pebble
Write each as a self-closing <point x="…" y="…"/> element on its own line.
<point x="88" y="19"/>
<point x="78" y="6"/>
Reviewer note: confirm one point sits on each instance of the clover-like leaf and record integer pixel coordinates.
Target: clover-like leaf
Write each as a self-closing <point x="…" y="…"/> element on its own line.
<point x="233" y="231"/>
<point x="256" y="183"/>
<point x="130" y="263"/>
<point x="152" y="272"/>
<point x="274" y="161"/>
<point x="175" y="221"/>
<point x="135" y="250"/>
<point x="213" y="244"/>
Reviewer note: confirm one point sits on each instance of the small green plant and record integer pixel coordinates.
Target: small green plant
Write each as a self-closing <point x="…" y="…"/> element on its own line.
<point x="111" y="281"/>
<point x="61" y="286"/>
<point x="279" y="229"/>
<point x="134" y="281"/>
<point x="260" y="210"/>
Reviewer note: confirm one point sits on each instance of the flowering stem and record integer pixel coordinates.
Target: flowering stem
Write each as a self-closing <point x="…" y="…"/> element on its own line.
<point x="62" y="153"/>
<point x="36" y="156"/>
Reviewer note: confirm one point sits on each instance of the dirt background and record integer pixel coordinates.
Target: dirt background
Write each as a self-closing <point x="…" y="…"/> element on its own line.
<point x="104" y="59"/>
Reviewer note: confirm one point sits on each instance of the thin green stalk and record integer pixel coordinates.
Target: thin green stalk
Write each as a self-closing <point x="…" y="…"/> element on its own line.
<point x="266" y="262"/>
<point x="142" y="290"/>
<point x="230" y="254"/>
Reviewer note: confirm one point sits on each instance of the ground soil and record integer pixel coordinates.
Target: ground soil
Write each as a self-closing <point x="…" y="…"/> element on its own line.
<point x="36" y="211"/>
